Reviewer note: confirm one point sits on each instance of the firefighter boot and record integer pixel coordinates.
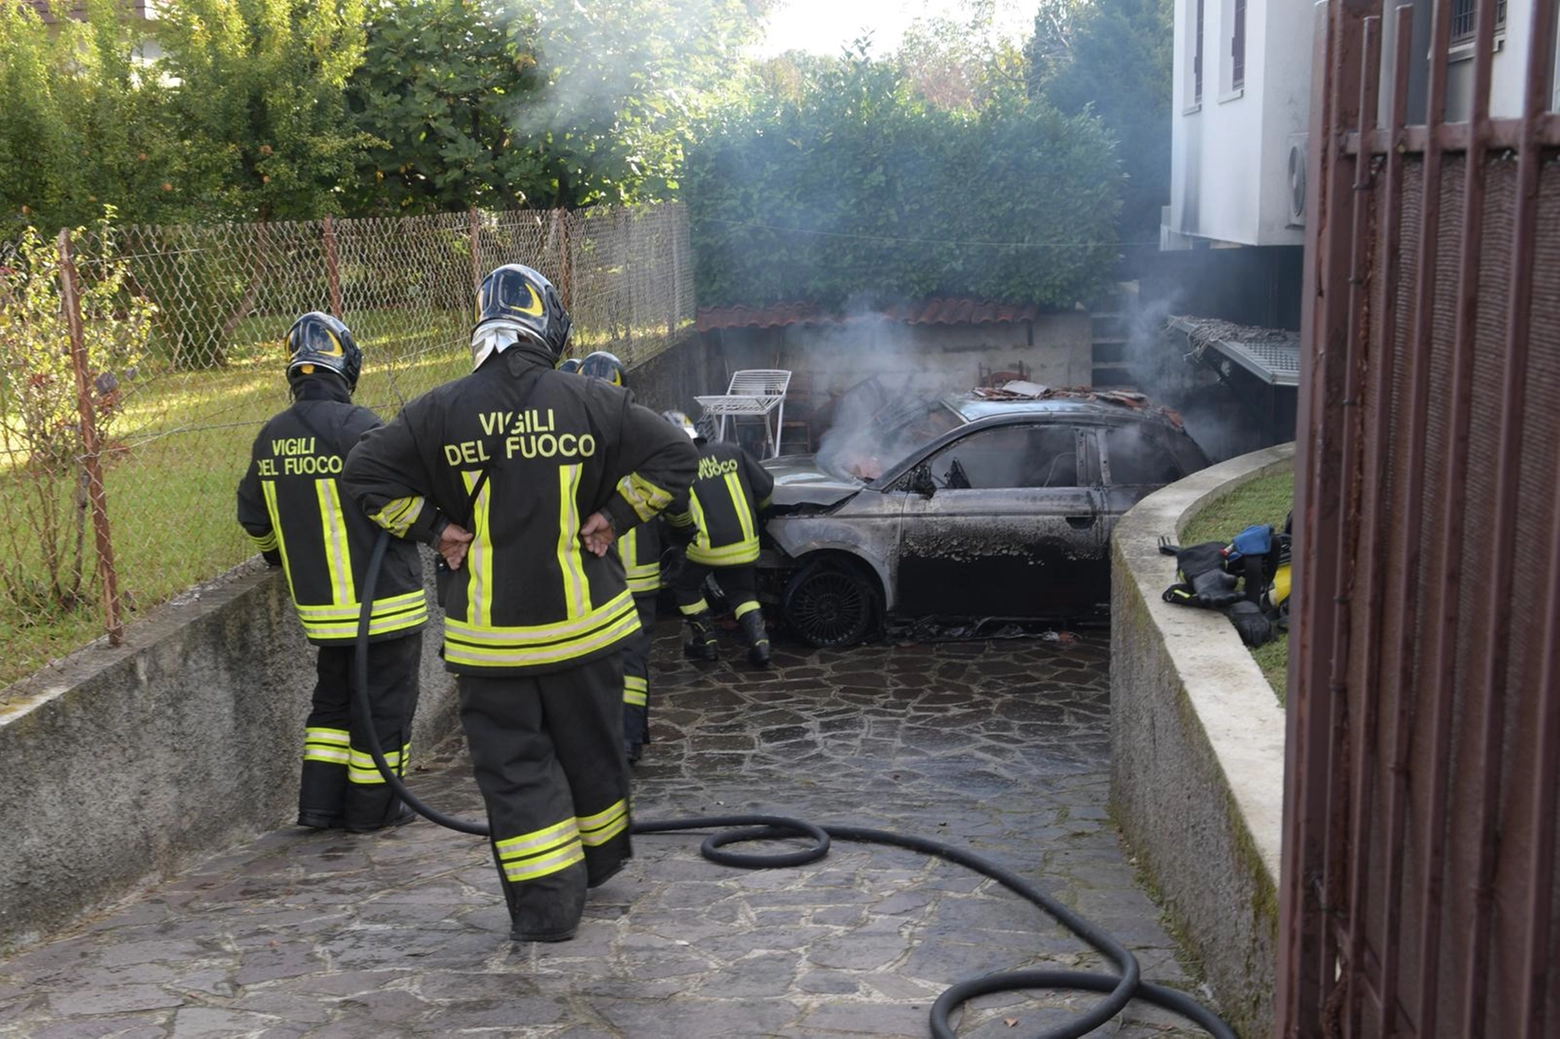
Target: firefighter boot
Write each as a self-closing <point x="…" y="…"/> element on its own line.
<point x="755" y="635"/>
<point x="701" y="637"/>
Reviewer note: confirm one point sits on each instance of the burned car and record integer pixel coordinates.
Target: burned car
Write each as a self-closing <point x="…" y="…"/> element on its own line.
<point x="988" y="504"/>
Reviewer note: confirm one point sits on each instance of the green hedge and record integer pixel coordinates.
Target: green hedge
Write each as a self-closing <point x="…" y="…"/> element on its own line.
<point x="855" y="193"/>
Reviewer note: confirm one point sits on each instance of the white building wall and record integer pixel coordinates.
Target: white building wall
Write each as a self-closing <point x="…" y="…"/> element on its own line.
<point x="1229" y="178"/>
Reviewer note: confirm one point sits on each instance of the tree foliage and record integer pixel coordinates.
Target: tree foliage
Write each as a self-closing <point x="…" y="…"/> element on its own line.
<point x="79" y="127"/>
<point x="852" y="188"/>
<point x="1114" y="58"/>
<point x="259" y="109"/>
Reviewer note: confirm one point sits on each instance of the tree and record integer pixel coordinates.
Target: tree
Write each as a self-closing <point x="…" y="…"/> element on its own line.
<point x="1114" y="58"/>
<point x="854" y="188"/>
<point x="627" y="83"/>
<point x="438" y="88"/>
<point x="79" y="129"/>
<point x="260" y="104"/>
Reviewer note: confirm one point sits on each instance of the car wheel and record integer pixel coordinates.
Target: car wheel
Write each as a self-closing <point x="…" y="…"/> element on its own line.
<point x="827" y="604"/>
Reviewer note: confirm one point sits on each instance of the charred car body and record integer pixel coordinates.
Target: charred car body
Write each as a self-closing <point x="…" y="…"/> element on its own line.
<point x="990" y="504"/>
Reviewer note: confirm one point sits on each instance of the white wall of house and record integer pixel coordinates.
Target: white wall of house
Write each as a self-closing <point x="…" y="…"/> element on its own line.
<point x="1229" y="151"/>
<point x="1229" y="178"/>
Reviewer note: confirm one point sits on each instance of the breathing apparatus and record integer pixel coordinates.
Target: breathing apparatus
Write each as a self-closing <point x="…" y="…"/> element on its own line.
<point x="1120" y="989"/>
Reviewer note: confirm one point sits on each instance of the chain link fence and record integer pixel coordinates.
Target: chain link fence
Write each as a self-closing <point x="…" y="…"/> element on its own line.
<point x="149" y="404"/>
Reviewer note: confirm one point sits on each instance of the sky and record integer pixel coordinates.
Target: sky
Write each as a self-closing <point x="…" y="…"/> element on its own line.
<point x="828" y="26"/>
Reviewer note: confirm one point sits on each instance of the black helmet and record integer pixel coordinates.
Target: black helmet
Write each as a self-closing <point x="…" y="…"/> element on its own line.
<point x="569" y="365"/>
<point x="318" y="340"/>
<point x="602" y="365"/>
<point x="515" y="298"/>
<point x="682" y="422"/>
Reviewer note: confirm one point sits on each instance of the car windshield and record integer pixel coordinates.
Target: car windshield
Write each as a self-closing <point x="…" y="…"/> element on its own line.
<point x="872" y="432"/>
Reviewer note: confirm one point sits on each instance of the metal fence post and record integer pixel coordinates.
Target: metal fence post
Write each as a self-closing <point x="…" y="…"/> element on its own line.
<point x="71" y="296"/>
<point x="476" y="248"/>
<point x="333" y="267"/>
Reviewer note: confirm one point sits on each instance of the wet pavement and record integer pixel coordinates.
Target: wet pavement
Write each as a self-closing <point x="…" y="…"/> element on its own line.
<point x="998" y="747"/>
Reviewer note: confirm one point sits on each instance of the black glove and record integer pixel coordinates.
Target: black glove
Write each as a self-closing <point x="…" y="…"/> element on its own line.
<point x="272" y="558"/>
<point x="1253" y="625"/>
<point x="1216" y="589"/>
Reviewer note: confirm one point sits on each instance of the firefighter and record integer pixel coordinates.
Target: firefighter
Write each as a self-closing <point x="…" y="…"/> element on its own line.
<point x="291" y="504"/>
<point x="524" y="477"/>
<point x="718" y="520"/>
<point x="640" y="550"/>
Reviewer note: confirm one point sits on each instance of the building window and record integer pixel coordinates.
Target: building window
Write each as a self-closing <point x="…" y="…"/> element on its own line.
<point x="1197" y="57"/>
<point x="1463" y="20"/>
<point x="1238" y="48"/>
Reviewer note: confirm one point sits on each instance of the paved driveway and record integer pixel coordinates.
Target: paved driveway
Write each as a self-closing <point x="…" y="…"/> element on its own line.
<point x="1000" y="747"/>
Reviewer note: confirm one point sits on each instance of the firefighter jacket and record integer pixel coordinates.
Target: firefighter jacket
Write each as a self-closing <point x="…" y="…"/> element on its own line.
<point x="721" y="509"/>
<point x="641" y="552"/>
<point x="521" y="455"/>
<point x="290" y="502"/>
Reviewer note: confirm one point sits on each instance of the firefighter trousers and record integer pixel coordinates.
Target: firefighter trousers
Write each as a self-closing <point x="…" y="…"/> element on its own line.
<point x="548" y="755"/>
<point x="738" y="583"/>
<point x="341" y="785"/>
<point x="636" y="677"/>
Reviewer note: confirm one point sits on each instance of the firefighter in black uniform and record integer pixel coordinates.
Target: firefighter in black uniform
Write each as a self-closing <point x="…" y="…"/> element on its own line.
<point x="640" y="550"/>
<point x="524" y="477"/>
<point x="718" y="519"/>
<point x="292" y="506"/>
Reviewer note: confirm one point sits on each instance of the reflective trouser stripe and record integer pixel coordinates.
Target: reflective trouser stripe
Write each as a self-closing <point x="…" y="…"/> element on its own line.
<point x="636" y="690"/>
<point x="329" y="746"/>
<point x="694" y="608"/>
<point x="540" y="852"/>
<point x="598" y="829"/>
<point x="361" y="767"/>
<point x="745" y="608"/>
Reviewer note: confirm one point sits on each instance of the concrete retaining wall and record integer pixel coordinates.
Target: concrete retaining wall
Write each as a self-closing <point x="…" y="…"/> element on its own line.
<point x="121" y="766"/>
<point x="1197" y="740"/>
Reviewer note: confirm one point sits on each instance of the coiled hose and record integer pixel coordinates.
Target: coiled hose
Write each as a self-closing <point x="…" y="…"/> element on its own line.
<point x="1120" y="988"/>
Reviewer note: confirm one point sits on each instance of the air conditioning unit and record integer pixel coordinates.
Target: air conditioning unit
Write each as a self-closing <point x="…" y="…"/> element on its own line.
<point x="1299" y="160"/>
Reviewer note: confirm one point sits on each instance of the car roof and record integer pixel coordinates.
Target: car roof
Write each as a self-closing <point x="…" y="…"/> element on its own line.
<point x="977" y="405"/>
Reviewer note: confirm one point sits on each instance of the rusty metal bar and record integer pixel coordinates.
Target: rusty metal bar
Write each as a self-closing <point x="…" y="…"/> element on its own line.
<point x="1373" y="666"/>
<point x="332" y="267"/>
<point x="1410" y="544"/>
<point x="70" y="292"/>
<point x="1453" y="504"/>
<point x="1504" y="135"/>
<point x="1496" y="633"/>
<point x="1307" y="955"/>
<point x="474" y="221"/>
<point x="1358" y="703"/>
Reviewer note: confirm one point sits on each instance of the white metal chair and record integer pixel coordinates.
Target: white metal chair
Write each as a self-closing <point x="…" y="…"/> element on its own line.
<point x="753" y="391"/>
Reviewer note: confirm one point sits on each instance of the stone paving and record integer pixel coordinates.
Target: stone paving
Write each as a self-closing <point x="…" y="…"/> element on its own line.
<point x="1000" y="747"/>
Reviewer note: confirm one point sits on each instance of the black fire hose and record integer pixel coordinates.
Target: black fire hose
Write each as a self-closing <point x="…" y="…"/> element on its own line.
<point x="1120" y="989"/>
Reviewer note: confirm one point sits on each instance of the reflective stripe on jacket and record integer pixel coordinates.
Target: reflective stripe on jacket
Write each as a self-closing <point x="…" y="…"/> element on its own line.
<point x="641" y="552"/>
<point x="722" y="506"/>
<point x="290" y="501"/>
<point x="529" y="596"/>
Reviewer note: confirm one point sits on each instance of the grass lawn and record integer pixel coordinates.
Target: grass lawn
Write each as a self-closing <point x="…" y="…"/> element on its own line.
<point x="1264" y="500"/>
<point x="181" y="444"/>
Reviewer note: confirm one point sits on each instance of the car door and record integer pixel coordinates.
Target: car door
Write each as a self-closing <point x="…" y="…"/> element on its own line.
<point x="1135" y="461"/>
<point x="1012" y="527"/>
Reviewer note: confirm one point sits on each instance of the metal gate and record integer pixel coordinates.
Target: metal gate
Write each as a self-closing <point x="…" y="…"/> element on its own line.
<point x="1420" y="889"/>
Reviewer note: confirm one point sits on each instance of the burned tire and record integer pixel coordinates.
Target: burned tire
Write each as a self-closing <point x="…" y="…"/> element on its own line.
<point x="829" y="604"/>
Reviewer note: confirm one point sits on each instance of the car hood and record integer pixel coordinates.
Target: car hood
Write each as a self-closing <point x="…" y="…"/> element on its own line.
<point x="800" y="481"/>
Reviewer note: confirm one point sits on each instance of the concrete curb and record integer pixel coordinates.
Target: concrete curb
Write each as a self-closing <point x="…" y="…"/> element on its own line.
<point x="122" y="766"/>
<point x="1197" y="741"/>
